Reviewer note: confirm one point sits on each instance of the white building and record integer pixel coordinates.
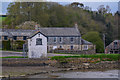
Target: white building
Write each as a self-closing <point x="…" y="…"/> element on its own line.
<point x="37" y="45"/>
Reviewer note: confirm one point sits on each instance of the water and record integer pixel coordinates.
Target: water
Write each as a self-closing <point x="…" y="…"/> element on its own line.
<point x="79" y="74"/>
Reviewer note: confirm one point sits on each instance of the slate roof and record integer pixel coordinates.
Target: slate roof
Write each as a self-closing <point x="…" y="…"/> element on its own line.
<point x="85" y="42"/>
<point x="60" y="31"/>
<point x="16" y="32"/>
<point x="111" y="45"/>
<point x="117" y="41"/>
<point x="45" y="31"/>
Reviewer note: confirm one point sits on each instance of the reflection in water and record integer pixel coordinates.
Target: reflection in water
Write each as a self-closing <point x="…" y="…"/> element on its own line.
<point x="79" y="74"/>
<point x="74" y="75"/>
<point x="62" y="79"/>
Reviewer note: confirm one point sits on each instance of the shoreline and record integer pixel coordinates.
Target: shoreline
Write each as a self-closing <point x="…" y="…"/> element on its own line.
<point x="56" y="71"/>
<point x="19" y="71"/>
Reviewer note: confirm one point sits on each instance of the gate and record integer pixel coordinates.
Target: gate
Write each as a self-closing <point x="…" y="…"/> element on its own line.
<point x="25" y="50"/>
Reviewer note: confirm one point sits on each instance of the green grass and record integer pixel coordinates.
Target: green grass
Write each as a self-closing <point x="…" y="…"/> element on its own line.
<point x="62" y="53"/>
<point x="101" y="56"/>
<point x="14" y="57"/>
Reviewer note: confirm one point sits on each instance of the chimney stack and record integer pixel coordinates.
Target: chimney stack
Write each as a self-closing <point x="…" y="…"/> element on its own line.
<point x="37" y="27"/>
<point x="76" y="25"/>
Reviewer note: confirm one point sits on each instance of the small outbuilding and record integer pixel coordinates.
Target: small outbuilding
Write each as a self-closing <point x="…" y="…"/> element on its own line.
<point x="113" y="48"/>
<point x="37" y="45"/>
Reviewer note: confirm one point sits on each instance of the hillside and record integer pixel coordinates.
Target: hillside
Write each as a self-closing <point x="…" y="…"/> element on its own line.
<point x="56" y="15"/>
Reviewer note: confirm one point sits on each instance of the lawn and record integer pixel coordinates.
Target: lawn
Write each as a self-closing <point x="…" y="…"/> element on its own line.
<point x="101" y="56"/>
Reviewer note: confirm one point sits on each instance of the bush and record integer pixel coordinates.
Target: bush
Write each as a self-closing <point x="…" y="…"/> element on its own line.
<point x="15" y="45"/>
<point x="19" y="44"/>
<point x="113" y="57"/>
<point x="95" y="38"/>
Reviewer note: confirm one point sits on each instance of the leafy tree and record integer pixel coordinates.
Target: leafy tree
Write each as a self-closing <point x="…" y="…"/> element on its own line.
<point x="94" y="37"/>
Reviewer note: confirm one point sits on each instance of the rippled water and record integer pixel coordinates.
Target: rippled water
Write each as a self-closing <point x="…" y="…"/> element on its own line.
<point x="80" y="74"/>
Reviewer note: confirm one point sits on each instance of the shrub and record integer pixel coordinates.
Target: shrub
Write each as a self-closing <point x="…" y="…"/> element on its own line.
<point x="101" y="56"/>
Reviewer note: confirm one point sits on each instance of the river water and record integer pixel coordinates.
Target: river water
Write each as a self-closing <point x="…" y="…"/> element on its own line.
<point x="80" y="74"/>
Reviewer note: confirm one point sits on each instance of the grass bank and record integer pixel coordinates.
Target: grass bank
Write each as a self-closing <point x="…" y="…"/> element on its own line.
<point x="101" y="56"/>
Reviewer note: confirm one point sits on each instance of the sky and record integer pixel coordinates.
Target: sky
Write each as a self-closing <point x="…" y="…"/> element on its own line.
<point x="91" y="3"/>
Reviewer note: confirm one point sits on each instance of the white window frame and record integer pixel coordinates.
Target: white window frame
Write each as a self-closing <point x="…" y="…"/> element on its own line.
<point x="61" y="39"/>
<point x="71" y="47"/>
<point x="54" y="39"/>
<point x="70" y="39"/>
<point x="85" y="47"/>
<point x="61" y="46"/>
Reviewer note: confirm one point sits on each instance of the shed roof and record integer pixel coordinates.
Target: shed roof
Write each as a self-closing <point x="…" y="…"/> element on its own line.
<point x="85" y="42"/>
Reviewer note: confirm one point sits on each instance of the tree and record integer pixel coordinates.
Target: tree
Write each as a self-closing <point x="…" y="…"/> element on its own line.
<point x="77" y="4"/>
<point x="94" y="37"/>
<point x="102" y="9"/>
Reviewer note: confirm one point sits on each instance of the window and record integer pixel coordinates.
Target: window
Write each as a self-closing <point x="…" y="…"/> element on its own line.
<point x="14" y="37"/>
<point x="38" y="41"/>
<point x="24" y="37"/>
<point x="60" y="39"/>
<point x="5" y="38"/>
<point x="115" y="43"/>
<point x="71" y="39"/>
<point x="39" y="35"/>
<point x="71" y="47"/>
<point x="60" y="46"/>
<point x="55" y="40"/>
<point x="47" y="39"/>
<point x="85" y="47"/>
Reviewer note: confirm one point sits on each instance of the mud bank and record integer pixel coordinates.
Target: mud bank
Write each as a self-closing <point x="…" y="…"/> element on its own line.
<point x="27" y="67"/>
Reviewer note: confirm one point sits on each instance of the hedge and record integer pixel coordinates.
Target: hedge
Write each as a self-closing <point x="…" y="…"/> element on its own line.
<point x="12" y="45"/>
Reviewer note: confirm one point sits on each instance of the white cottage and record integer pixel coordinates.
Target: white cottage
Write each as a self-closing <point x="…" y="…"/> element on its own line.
<point x="37" y="46"/>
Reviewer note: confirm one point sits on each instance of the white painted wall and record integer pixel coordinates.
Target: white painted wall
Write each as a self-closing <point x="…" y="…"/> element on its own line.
<point x="37" y="51"/>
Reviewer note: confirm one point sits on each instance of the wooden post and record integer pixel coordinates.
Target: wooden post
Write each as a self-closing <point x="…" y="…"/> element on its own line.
<point x="104" y="41"/>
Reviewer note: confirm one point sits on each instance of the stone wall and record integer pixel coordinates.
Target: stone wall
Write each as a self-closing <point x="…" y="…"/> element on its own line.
<point x="86" y="63"/>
